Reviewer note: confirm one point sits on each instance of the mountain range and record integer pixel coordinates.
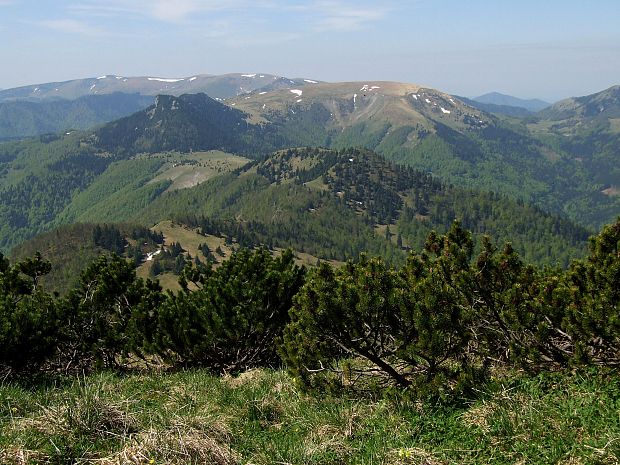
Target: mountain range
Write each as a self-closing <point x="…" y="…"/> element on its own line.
<point x="496" y="98"/>
<point x="424" y="158"/>
<point x="84" y="103"/>
<point x="217" y="86"/>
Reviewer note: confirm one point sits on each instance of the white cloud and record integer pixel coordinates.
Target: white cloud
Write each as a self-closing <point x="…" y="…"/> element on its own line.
<point x="71" y="26"/>
<point x="241" y="40"/>
<point x="348" y="19"/>
<point x="337" y="15"/>
<point x="321" y="14"/>
<point x="161" y="10"/>
<point x="179" y="10"/>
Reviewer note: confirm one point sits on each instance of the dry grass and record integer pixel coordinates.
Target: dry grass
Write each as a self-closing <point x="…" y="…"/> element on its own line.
<point x="19" y="456"/>
<point x="327" y="438"/>
<point x="571" y="461"/>
<point x="181" y="444"/>
<point x="94" y="417"/>
<point x="248" y="378"/>
<point x="199" y="440"/>
<point x="412" y="456"/>
<point x="479" y="416"/>
<point x="335" y="438"/>
<point x="261" y="417"/>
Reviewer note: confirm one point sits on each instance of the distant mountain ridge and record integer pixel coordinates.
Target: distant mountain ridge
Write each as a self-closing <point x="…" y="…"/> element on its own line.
<point x="52" y="107"/>
<point x="216" y="86"/>
<point x="434" y="131"/>
<point x="496" y="98"/>
<point x="507" y="110"/>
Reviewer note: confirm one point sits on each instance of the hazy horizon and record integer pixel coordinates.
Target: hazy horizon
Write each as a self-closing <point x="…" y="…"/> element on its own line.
<point x="549" y="50"/>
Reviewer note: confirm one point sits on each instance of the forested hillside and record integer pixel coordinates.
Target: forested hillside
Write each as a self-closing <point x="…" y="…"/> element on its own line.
<point x="186" y="123"/>
<point x="565" y="171"/>
<point x="20" y="119"/>
<point x="338" y="204"/>
<point x="120" y="171"/>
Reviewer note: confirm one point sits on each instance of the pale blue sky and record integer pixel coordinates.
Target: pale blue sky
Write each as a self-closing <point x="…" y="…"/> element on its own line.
<point x="545" y="48"/>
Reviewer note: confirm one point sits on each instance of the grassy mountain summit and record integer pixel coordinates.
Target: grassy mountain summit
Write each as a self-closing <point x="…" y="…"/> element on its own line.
<point x="529" y="159"/>
<point x="348" y="103"/>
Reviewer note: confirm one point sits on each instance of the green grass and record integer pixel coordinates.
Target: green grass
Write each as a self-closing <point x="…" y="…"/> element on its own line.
<point x="188" y="170"/>
<point x="190" y="240"/>
<point x="260" y="417"/>
<point x="614" y="125"/>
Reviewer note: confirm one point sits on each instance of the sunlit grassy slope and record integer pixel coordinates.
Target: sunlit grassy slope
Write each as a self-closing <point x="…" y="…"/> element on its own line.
<point x="190" y="241"/>
<point x="188" y="170"/>
<point x="260" y="417"/>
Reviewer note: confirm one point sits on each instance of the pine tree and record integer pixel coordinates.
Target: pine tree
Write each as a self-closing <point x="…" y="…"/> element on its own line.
<point x="230" y="323"/>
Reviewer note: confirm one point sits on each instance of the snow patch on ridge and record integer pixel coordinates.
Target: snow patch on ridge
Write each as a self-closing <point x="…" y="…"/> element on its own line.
<point x="150" y="255"/>
<point x="249" y="75"/>
<point x="310" y="81"/>
<point x="444" y="111"/>
<point x="164" y="79"/>
<point x="297" y="92"/>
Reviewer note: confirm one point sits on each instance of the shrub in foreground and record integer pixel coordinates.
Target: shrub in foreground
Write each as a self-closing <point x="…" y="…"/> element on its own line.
<point x="436" y="325"/>
<point x="230" y="320"/>
<point x="407" y="326"/>
<point x="29" y="323"/>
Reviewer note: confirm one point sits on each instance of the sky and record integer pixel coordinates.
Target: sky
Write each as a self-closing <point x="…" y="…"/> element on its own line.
<point x="547" y="49"/>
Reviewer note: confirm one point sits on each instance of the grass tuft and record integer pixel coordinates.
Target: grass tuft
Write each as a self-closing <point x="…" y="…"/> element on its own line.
<point x="261" y="418"/>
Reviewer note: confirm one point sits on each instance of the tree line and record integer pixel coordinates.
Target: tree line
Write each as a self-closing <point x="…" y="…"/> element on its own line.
<point x="435" y="326"/>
